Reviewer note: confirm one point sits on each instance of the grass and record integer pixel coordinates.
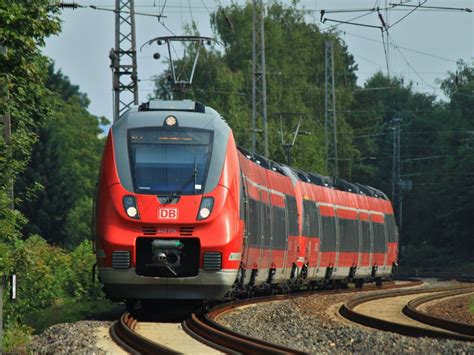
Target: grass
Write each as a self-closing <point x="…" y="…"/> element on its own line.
<point x="471" y="307"/>
<point x="72" y="312"/>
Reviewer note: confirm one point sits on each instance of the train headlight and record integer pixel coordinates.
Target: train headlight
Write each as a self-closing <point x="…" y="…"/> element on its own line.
<point x="171" y="121"/>
<point x="130" y="206"/>
<point x="132" y="212"/>
<point x="206" y="207"/>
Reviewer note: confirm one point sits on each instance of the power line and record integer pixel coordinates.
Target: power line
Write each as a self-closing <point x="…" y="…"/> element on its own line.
<point x="202" y="2"/>
<point x="405" y="48"/>
<point x="463" y="9"/>
<point x="431" y="173"/>
<point x="426" y="158"/>
<point x="409" y="64"/>
<point x="416" y="7"/>
<point x="74" y="5"/>
<point x="163" y="7"/>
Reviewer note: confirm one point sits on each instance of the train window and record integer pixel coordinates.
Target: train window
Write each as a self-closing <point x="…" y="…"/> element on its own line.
<point x="279" y="228"/>
<point x="292" y="213"/>
<point x="379" y="237"/>
<point x="266" y="226"/>
<point x="365" y="236"/>
<point x="392" y="228"/>
<point x="243" y="197"/>
<point x="310" y="219"/>
<point x="328" y="240"/>
<point x="253" y="224"/>
<point x="349" y="233"/>
<point x="167" y="160"/>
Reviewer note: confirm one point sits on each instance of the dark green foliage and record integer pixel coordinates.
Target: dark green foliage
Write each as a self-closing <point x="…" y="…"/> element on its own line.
<point x="65" y="163"/>
<point x="53" y="160"/>
<point x="437" y="159"/>
<point x="23" y="71"/>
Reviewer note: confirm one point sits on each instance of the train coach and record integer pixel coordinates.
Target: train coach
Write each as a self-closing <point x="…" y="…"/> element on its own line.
<point x="183" y="213"/>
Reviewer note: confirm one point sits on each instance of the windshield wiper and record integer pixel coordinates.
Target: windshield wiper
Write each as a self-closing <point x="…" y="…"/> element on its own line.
<point x="178" y="192"/>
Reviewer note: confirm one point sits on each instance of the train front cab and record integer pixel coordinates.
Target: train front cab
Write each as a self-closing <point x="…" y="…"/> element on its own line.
<point x="168" y="224"/>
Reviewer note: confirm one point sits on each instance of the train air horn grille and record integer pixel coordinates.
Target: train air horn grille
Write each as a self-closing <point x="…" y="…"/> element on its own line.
<point x="212" y="261"/>
<point x="149" y="230"/>
<point x="121" y="259"/>
<point x="186" y="231"/>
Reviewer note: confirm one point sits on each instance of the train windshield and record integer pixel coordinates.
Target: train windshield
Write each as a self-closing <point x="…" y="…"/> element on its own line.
<point x="163" y="160"/>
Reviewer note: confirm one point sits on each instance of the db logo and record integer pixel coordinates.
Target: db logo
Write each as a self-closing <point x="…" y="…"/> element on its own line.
<point x="168" y="213"/>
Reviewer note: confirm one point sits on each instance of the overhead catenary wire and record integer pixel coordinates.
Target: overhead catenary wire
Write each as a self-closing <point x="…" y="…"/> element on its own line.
<point x="207" y="8"/>
<point x="405" y="48"/>
<point x="163" y="7"/>
<point x="385" y="26"/>
<point x="74" y="5"/>
<point x="462" y="9"/>
<point x="415" y="7"/>
<point x="410" y="65"/>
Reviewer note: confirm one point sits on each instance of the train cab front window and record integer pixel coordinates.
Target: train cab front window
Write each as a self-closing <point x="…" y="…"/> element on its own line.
<point x="164" y="161"/>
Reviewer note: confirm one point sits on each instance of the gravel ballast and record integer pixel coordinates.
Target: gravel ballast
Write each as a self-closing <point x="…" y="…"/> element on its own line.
<point x="310" y="324"/>
<point x="69" y="338"/>
<point x="456" y="309"/>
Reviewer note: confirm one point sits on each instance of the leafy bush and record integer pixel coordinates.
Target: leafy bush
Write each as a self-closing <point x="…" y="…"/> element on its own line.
<point x="81" y="283"/>
<point x="46" y="276"/>
<point x="78" y="222"/>
<point x="16" y="336"/>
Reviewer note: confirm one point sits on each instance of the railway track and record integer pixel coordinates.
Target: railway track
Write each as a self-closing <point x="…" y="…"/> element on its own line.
<point x="206" y="332"/>
<point x="398" y="312"/>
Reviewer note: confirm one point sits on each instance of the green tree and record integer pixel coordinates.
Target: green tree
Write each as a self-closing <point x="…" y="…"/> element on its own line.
<point x="65" y="164"/>
<point x="23" y="74"/>
<point x="22" y="77"/>
<point x="295" y="80"/>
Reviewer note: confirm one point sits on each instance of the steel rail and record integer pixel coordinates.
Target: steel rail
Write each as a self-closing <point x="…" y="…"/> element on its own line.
<point x="411" y="311"/>
<point x="212" y="333"/>
<point x="348" y="311"/>
<point x="124" y="334"/>
<point x="205" y="328"/>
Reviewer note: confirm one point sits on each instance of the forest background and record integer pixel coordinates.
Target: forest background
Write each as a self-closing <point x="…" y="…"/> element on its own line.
<point x="54" y="155"/>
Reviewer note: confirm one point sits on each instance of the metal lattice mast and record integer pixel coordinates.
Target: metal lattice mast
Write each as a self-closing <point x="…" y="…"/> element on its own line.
<point x="396" y="170"/>
<point x="387" y="45"/>
<point x="259" y="83"/>
<point x="330" y="106"/>
<point x="124" y="58"/>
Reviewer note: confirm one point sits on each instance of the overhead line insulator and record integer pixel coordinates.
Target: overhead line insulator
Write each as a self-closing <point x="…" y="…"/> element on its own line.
<point x="66" y="5"/>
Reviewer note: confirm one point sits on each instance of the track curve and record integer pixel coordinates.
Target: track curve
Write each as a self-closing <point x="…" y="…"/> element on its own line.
<point x="358" y="311"/>
<point x="204" y="327"/>
<point x="411" y="310"/>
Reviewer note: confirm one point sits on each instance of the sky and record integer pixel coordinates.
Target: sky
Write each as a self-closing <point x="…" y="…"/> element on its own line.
<point x="424" y="46"/>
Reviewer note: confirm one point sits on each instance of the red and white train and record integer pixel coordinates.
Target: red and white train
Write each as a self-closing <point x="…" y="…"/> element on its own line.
<point x="183" y="213"/>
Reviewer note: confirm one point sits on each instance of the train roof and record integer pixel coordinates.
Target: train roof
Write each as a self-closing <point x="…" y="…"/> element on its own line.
<point x="173" y="105"/>
<point x="314" y="178"/>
